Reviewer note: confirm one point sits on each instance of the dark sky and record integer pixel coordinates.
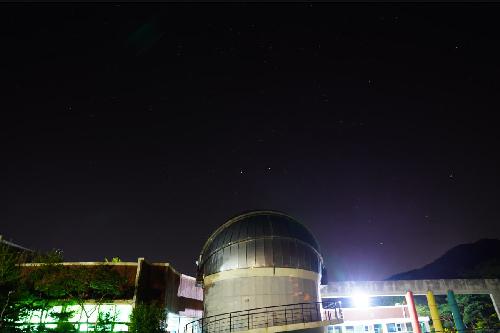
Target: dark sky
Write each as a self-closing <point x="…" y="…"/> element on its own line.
<point x="135" y="130"/>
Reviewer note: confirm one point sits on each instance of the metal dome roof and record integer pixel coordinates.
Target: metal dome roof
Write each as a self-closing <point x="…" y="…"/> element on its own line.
<point x="265" y="235"/>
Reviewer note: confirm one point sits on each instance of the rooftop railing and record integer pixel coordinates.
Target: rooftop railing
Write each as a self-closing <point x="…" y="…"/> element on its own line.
<point x="266" y="317"/>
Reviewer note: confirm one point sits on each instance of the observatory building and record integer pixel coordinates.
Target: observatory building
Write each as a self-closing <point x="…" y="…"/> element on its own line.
<point x="261" y="269"/>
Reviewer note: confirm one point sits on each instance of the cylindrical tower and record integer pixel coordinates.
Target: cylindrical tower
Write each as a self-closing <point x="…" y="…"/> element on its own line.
<point x="259" y="259"/>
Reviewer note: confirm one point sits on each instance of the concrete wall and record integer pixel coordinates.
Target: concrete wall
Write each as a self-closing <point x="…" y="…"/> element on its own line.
<point x="261" y="289"/>
<point x="159" y="283"/>
<point x="418" y="287"/>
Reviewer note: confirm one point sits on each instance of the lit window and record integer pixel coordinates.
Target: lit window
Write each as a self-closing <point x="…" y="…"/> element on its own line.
<point x="391" y="327"/>
<point x="359" y="329"/>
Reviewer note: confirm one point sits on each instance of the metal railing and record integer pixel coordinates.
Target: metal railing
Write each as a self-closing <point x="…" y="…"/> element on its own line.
<point x="266" y="317"/>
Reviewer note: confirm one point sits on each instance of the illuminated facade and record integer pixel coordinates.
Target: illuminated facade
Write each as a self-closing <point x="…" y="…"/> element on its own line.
<point x="150" y="283"/>
<point x="379" y="319"/>
<point x="83" y="320"/>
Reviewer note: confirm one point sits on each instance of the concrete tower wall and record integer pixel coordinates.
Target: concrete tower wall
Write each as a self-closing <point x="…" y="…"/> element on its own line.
<point x="241" y="291"/>
<point x="259" y="259"/>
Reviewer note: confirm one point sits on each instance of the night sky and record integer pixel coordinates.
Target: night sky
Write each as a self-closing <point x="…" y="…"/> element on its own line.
<point x="136" y="130"/>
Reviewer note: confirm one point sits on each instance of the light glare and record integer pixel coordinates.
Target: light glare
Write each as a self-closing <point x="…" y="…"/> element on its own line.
<point x="361" y="300"/>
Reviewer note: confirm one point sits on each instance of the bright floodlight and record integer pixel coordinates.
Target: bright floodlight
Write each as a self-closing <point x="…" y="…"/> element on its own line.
<point x="360" y="300"/>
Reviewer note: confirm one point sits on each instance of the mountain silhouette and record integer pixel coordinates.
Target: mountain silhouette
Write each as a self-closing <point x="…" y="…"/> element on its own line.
<point x="466" y="261"/>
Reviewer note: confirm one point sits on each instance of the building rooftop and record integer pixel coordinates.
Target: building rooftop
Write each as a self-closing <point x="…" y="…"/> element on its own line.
<point x="260" y="239"/>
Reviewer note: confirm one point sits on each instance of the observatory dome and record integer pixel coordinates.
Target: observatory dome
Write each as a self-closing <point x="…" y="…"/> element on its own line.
<point x="260" y="239"/>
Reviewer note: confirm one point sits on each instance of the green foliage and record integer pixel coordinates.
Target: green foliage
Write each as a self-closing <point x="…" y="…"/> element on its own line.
<point x="114" y="259"/>
<point x="63" y="324"/>
<point x="65" y="327"/>
<point x="48" y="283"/>
<point x="75" y="283"/>
<point x="423" y="310"/>
<point x="10" y="275"/>
<point x="9" y="271"/>
<point x="147" y="318"/>
<point x="105" y="322"/>
<point x="51" y="257"/>
<point x="51" y="284"/>
<point x="477" y="312"/>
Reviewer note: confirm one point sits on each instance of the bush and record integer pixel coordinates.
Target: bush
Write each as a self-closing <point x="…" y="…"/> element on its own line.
<point x="147" y="318"/>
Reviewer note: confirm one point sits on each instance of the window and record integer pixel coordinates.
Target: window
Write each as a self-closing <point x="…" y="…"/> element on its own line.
<point x="377" y="328"/>
<point x="349" y="329"/>
<point x="359" y="329"/>
<point x="391" y="327"/>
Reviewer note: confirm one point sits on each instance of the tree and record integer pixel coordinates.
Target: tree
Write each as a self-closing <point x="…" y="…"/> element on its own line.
<point x="63" y="324"/>
<point x="25" y="290"/>
<point x="30" y="298"/>
<point x="48" y="283"/>
<point x="477" y="312"/>
<point x="147" y="318"/>
<point x="9" y="284"/>
<point x="105" y="322"/>
<point x="66" y="285"/>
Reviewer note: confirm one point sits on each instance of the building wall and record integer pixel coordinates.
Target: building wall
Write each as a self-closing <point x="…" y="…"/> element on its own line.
<point x="388" y="325"/>
<point x="150" y="283"/>
<point x="259" y="287"/>
<point x="377" y="319"/>
<point x="83" y="319"/>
